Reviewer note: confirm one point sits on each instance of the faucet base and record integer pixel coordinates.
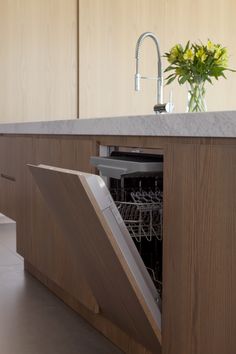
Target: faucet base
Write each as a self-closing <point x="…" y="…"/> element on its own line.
<point x="160" y="108"/>
<point x="163" y="108"/>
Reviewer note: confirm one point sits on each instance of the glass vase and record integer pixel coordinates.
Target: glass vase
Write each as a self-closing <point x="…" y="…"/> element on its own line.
<point x="196" y="97"/>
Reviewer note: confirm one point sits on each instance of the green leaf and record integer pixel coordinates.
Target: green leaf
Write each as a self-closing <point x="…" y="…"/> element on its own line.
<point x="223" y="75"/>
<point x="170" y="80"/>
<point x="209" y="80"/>
<point x="187" y="46"/>
<point x="170" y="67"/>
<point x="182" y="80"/>
<point x="169" y="76"/>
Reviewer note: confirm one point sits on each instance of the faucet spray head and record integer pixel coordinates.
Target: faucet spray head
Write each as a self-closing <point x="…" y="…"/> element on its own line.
<point x="137" y="81"/>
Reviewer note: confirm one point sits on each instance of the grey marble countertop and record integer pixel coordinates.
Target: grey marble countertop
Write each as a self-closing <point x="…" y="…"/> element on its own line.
<point x="210" y="124"/>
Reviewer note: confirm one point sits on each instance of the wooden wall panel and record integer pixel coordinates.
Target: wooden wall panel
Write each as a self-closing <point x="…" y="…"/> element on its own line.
<point x="199" y="288"/>
<point x="108" y="31"/>
<point x="38" y="60"/>
<point x="64" y="58"/>
<point x="41" y="243"/>
<point x="200" y="20"/>
<point x="45" y="249"/>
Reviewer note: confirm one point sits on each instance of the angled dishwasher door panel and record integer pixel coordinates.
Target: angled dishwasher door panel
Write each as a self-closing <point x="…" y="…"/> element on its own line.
<point x="85" y="211"/>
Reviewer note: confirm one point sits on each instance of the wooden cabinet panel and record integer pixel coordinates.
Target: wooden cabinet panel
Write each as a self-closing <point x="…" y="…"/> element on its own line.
<point x="21" y="200"/>
<point x="108" y="31"/>
<point x="8" y="196"/>
<point x="38" y="60"/>
<point x="39" y="240"/>
<point x="41" y="243"/>
<point x="8" y="177"/>
<point x="45" y="249"/>
<point x="8" y="158"/>
<point x="198" y="310"/>
<point x="107" y="259"/>
<point x="199" y="289"/>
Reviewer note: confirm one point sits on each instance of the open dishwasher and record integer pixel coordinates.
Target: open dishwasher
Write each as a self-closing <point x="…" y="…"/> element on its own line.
<point x="116" y="236"/>
<point x="135" y="181"/>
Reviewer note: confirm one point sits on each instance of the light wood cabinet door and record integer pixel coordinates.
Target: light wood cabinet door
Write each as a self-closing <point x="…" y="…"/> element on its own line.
<point x="39" y="240"/>
<point x="112" y="268"/>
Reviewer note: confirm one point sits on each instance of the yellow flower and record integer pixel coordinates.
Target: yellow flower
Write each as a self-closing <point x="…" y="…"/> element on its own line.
<point x="171" y="58"/>
<point x="178" y="71"/>
<point x="174" y="53"/>
<point x="218" y="52"/>
<point x="223" y="59"/>
<point x="210" y="46"/>
<point x="189" y="55"/>
<point x="225" y="51"/>
<point x="201" y="54"/>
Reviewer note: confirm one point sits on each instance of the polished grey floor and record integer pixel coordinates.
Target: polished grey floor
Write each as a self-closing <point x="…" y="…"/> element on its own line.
<point x="33" y="320"/>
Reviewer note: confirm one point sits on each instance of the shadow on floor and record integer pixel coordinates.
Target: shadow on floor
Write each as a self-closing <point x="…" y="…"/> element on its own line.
<point x="32" y="319"/>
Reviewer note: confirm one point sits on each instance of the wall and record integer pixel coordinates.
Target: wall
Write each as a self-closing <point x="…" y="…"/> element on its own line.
<point x="108" y="31"/>
<point x="38" y="56"/>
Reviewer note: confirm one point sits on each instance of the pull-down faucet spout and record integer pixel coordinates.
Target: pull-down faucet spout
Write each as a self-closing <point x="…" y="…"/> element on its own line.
<point x="160" y="106"/>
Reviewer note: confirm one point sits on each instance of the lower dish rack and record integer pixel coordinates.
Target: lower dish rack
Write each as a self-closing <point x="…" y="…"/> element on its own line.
<point x="143" y="217"/>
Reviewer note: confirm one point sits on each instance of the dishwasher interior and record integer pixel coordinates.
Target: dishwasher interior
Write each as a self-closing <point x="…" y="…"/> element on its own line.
<point x="135" y="180"/>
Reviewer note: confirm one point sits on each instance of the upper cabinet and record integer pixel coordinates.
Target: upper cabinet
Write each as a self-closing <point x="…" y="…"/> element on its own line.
<point x="108" y="32"/>
<point x="76" y="58"/>
<point x="38" y="55"/>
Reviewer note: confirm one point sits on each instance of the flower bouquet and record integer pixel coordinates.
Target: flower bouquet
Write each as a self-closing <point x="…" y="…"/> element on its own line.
<point x="196" y="64"/>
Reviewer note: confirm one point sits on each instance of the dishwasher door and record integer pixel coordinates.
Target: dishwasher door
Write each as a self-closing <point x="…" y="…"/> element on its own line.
<point x="86" y="212"/>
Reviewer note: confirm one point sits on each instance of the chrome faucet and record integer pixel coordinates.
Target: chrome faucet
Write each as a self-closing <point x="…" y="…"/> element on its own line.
<point x="159" y="107"/>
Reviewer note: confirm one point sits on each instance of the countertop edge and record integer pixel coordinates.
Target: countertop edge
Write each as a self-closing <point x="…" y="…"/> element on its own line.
<point x="209" y="124"/>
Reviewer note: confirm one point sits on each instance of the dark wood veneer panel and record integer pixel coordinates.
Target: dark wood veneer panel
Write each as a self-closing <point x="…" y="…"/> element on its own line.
<point x="199" y="297"/>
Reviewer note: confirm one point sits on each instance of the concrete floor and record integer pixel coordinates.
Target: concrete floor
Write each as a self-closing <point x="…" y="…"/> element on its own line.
<point x="33" y="320"/>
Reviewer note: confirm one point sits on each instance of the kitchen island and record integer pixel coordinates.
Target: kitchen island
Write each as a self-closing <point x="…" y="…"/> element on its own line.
<point x="199" y="248"/>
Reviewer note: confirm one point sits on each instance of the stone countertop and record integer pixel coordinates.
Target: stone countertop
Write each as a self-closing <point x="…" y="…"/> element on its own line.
<point x="209" y="124"/>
